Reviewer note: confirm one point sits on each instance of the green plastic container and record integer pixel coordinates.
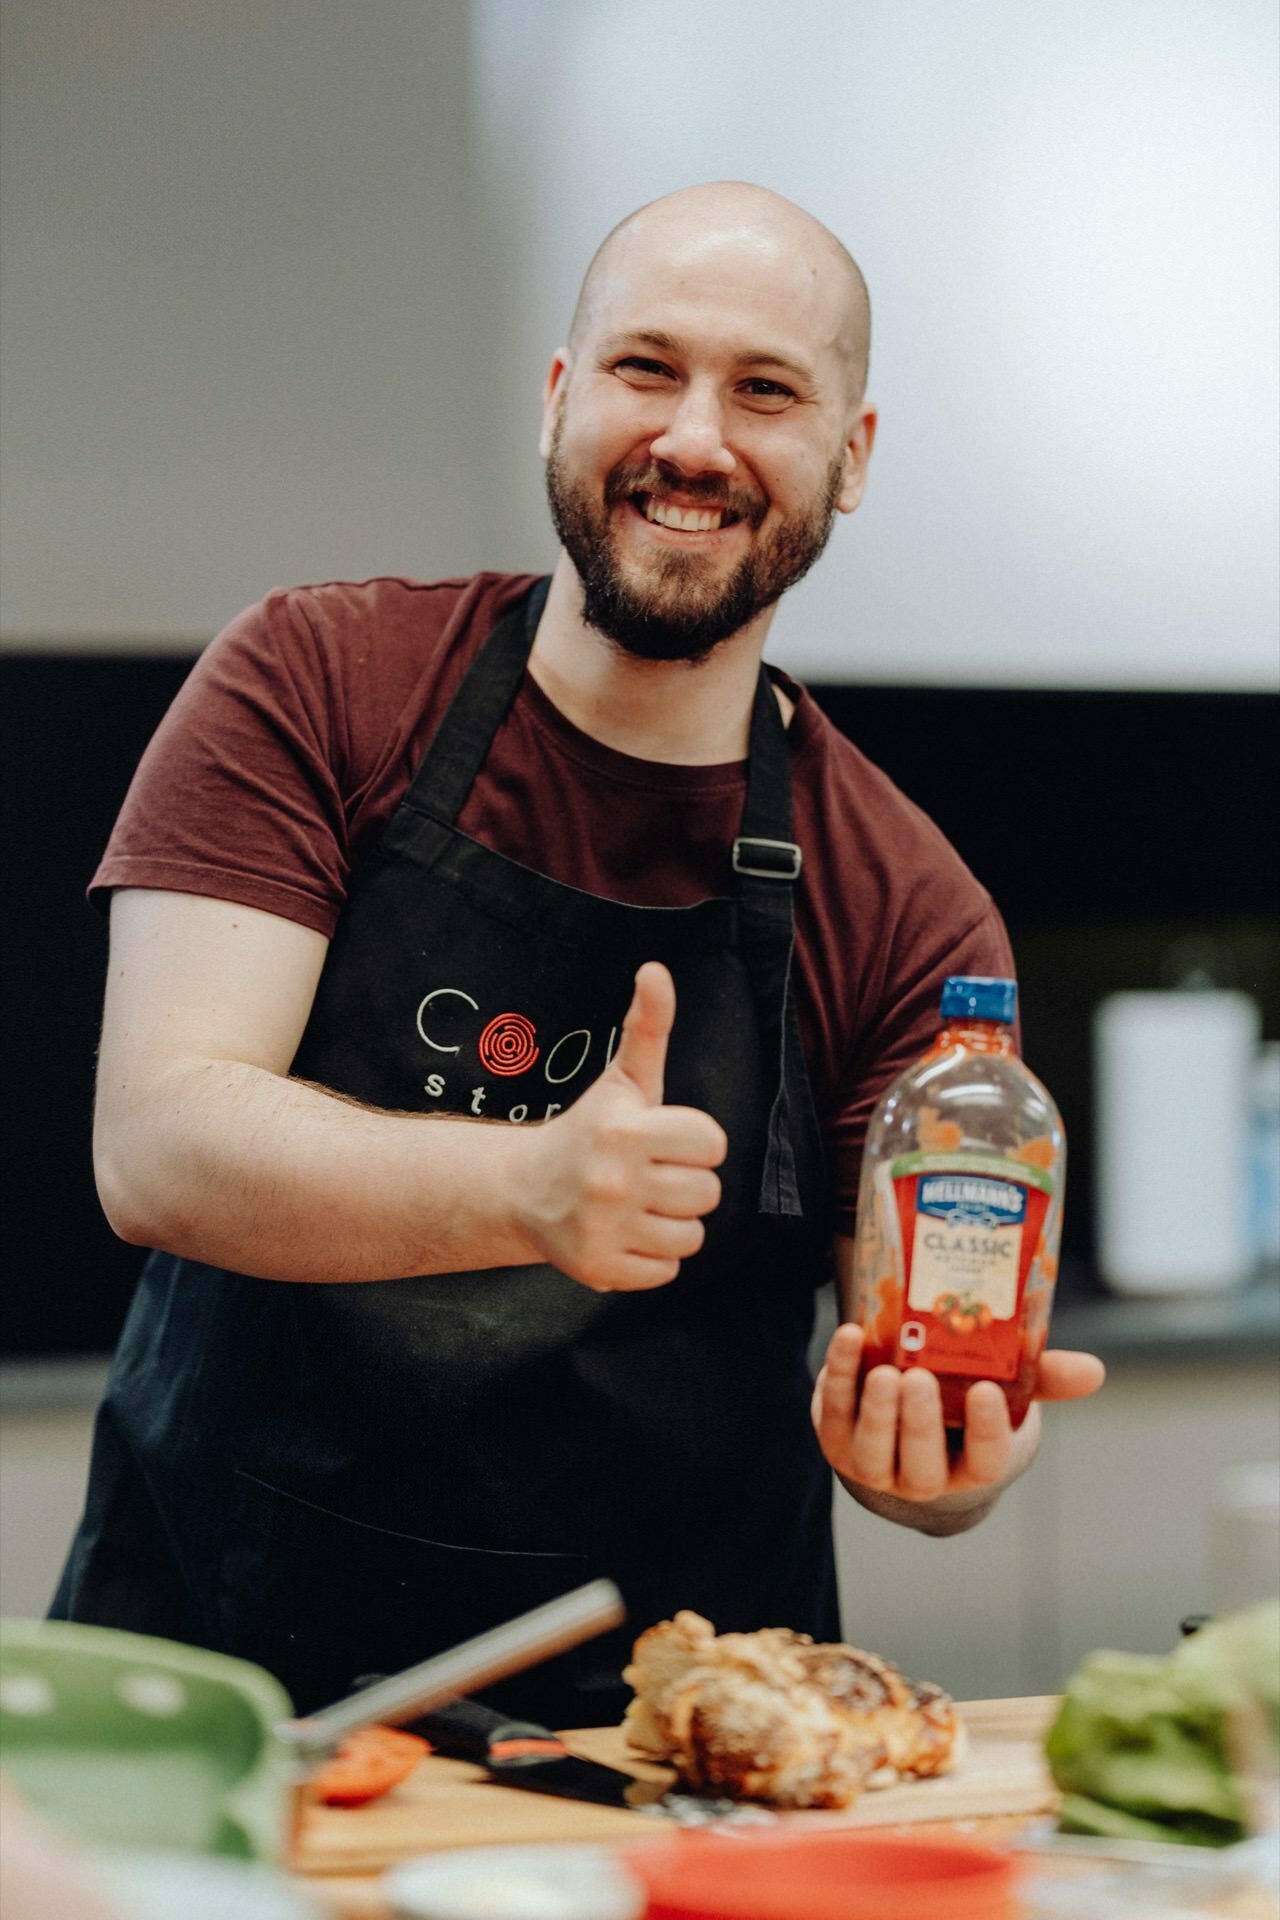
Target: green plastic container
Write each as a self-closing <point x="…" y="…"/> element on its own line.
<point x="126" y="1741"/>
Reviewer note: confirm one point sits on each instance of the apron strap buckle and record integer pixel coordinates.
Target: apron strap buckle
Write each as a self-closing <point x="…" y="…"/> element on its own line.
<point x="768" y="859"/>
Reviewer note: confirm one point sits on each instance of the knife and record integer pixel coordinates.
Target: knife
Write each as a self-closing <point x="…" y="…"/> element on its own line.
<point x="520" y="1753"/>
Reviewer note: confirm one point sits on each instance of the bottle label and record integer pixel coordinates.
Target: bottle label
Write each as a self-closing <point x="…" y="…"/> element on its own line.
<point x="969" y="1225"/>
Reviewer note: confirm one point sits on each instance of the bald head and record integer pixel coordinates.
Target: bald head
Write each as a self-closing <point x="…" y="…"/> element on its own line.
<point x="698" y="225"/>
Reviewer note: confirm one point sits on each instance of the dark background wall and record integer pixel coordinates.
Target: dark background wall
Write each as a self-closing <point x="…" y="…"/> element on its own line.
<point x="1127" y="836"/>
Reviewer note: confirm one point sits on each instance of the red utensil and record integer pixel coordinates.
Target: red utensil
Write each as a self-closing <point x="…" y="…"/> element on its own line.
<point x="831" y="1876"/>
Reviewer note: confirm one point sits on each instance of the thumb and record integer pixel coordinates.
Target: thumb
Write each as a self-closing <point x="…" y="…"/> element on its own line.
<point x="1067" y="1375"/>
<point x="642" y="1050"/>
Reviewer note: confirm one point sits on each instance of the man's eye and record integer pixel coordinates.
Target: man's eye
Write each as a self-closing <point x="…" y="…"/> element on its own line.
<point x="645" y="369"/>
<point x="772" y="392"/>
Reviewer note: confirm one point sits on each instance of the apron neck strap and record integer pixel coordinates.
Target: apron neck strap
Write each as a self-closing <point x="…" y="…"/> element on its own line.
<point x="766" y="866"/>
<point x="764" y="850"/>
<point x="462" y="740"/>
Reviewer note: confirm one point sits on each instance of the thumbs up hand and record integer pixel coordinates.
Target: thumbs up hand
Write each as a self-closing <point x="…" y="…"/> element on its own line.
<point x="619" y="1184"/>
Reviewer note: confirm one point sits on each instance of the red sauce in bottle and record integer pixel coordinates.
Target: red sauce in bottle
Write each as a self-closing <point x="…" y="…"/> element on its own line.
<point x="960" y="1208"/>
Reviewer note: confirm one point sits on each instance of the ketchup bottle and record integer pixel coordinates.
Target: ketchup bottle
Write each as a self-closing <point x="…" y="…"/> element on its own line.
<point x="960" y="1208"/>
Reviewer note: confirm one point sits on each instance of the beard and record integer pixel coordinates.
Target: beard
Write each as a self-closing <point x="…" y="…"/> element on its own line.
<point x="682" y="611"/>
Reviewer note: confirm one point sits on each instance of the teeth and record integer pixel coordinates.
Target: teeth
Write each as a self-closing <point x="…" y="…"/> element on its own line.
<point x="683" y="519"/>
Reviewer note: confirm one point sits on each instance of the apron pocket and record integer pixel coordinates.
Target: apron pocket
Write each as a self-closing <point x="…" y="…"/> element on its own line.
<point x="319" y="1599"/>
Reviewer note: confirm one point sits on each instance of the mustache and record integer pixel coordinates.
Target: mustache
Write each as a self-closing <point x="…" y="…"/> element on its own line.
<point x="707" y="490"/>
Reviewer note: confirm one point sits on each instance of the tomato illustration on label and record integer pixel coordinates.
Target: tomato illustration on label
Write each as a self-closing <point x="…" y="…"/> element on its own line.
<point x="961" y="1312"/>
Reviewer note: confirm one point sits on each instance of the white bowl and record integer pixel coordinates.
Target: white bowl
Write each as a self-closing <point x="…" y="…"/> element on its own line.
<point x="515" y="1883"/>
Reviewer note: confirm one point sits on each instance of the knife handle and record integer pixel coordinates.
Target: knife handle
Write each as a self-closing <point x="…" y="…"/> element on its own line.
<point x="471" y="1731"/>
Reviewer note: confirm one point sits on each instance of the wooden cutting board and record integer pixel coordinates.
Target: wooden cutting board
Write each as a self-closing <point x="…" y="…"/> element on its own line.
<point x="453" y="1803"/>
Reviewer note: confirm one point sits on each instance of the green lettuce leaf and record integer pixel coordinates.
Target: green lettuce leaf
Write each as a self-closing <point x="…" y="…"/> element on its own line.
<point x="1158" y="1747"/>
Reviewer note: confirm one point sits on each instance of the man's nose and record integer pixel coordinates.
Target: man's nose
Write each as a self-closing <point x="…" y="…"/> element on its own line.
<point x="693" y="439"/>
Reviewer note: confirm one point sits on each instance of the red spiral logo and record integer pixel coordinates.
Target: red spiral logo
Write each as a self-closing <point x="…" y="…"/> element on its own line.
<point x="509" y="1044"/>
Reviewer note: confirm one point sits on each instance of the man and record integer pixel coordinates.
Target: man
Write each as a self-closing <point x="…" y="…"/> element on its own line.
<point x="393" y="869"/>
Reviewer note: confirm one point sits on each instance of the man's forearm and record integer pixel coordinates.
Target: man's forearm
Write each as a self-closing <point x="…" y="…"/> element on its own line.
<point x="241" y="1168"/>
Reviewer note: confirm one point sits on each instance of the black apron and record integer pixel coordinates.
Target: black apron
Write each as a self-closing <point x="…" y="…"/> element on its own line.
<point x="339" y="1479"/>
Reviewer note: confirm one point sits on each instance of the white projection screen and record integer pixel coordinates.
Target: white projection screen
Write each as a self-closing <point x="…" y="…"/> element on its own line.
<point x="1068" y="218"/>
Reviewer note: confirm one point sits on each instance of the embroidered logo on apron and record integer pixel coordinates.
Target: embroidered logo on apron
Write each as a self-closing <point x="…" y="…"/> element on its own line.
<point x="508" y="1045"/>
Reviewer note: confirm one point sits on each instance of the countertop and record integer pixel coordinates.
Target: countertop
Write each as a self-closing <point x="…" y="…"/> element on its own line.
<point x="446" y="1803"/>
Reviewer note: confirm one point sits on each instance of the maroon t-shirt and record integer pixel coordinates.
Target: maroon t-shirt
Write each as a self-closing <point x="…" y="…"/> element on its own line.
<point x="300" y="727"/>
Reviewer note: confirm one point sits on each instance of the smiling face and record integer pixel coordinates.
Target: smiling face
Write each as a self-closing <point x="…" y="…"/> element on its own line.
<point x="706" y="423"/>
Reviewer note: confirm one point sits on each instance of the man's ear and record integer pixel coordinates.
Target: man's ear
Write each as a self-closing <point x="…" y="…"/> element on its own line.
<point x="553" y="397"/>
<point x="857" y="455"/>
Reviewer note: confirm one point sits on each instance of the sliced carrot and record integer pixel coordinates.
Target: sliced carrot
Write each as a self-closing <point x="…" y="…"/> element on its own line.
<point x="368" y="1764"/>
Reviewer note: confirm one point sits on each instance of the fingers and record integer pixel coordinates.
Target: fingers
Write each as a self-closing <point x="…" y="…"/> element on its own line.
<point x="660" y="1238"/>
<point x="657" y="1249"/>
<point x="872" y="1449"/>
<point x="923" y="1465"/>
<point x="642" y="1050"/>
<point x="890" y="1437"/>
<point x="1067" y="1375"/>
<point x="682" y="1136"/>
<point x="628" y="1273"/>
<point x="681" y="1192"/>
<point x="857" y="1432"/>
<point x="988" y="1437"/>
<point x="835" y="1396"/>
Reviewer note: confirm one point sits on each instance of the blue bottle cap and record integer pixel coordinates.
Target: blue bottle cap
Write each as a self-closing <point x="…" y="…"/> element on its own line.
<point x="970" y="996"/>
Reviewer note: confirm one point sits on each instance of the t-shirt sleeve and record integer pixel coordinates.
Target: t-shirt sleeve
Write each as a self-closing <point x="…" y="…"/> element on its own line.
<point x="903" y="1031"/>
<point x="239" y="795"/>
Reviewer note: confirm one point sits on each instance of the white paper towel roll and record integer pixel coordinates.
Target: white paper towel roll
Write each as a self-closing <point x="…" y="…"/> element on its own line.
<point x="1243" y="1547"/>
<point x="1171" y="1076"/>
